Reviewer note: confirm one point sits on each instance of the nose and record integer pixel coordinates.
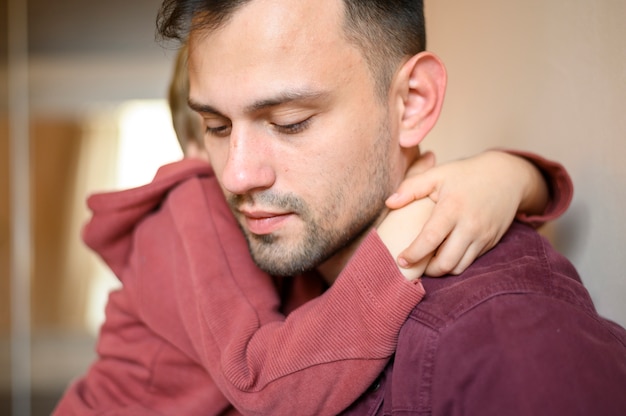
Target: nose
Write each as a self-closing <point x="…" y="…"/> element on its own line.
<point x="248" y="165"/>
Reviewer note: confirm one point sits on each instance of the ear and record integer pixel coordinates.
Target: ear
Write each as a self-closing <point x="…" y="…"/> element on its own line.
<point x="419" y="87"/>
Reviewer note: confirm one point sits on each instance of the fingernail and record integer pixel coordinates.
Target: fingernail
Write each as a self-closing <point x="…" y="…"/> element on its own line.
<point x="403" y="263"/>
<point x="393" y="196"/>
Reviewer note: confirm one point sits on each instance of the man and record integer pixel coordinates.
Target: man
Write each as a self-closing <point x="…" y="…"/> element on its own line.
<point x="196" y="328"/>
<point x="314" y="112"/>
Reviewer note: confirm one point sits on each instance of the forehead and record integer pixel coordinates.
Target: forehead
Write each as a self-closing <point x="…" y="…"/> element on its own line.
<point x="276" y="41"/>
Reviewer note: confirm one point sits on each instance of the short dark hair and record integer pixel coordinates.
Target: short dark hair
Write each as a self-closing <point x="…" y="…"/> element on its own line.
<point x="386" y="31"/>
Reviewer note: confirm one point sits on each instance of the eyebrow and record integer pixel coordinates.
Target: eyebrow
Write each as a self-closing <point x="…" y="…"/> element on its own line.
<point x="283" y="98"/>
<point x="203" y="108"/>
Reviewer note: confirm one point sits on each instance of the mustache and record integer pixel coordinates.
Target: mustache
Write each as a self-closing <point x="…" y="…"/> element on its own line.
<point x="286" y="202"/>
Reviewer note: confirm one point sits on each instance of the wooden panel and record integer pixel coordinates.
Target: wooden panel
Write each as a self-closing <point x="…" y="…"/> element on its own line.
<point x="55" y="150"/>
<point x="4" y="229"/>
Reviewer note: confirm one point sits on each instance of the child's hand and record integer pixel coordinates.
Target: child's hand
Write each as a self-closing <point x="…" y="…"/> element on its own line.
<point x="399" y="228"/>
<point x="476" y="201"/>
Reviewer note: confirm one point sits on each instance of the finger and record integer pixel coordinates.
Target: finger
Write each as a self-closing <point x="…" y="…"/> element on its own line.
<point x="466" y="239"/>
<point x="416" y="184"/>
<point x="475" y="250"/>
<point x="453" y="250"/>
<point x="471" y="254"/>
<point x="399" y="199"/>
<point x="433" y="233"/>
<point x="415" y="271"/>
<point x="411" y="189"/>
<point x="448" y="256"/>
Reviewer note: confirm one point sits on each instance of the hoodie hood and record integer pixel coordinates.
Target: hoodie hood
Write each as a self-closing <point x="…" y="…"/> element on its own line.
<point x="116" y="214"/>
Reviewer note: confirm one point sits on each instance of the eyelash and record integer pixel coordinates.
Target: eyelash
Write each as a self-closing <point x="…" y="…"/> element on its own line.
<point x="294" y="128"/>
<point x="221" y="131"/>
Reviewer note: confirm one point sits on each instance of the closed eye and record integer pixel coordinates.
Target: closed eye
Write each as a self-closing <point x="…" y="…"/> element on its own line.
<point x="218" y="131"/>
<point x="293" y="128"/>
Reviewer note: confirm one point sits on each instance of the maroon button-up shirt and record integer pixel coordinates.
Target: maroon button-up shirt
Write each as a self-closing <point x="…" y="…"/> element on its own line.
<point x="516" y="334"/>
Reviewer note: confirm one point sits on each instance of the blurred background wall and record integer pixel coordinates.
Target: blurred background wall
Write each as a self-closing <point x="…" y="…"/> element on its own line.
<point x="543" y="75"/>
<point x="548" y="76"/>
<point x="94" y="73"/>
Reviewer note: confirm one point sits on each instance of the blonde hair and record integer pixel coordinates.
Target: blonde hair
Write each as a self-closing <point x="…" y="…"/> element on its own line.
<point x="186" y="122"/>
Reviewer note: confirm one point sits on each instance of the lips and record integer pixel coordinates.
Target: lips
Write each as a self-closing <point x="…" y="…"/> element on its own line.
<point x="262" y="223"/>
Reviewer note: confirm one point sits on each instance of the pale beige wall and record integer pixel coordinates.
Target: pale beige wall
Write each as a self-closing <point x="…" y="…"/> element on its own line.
<point x="547" y="76"/>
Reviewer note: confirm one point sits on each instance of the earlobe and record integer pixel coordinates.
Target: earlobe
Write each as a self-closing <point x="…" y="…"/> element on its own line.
<point x="422" y="81"/>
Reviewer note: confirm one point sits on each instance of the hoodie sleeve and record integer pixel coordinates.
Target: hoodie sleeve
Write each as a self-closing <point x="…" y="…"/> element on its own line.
<point x="139" y="373"/>
<point x="559" y="184"/>
<point x="195" y="312"/>
<point x="316" y="361"/>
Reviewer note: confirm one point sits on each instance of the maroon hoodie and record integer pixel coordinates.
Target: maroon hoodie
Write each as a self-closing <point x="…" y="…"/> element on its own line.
<point x="197" y="327"/>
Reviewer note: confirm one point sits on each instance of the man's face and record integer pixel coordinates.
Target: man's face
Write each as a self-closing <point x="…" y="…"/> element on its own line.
<point x="296" y="134"/>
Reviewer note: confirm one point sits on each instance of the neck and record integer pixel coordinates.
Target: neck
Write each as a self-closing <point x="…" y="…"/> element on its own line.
<point x="331" y="268"/>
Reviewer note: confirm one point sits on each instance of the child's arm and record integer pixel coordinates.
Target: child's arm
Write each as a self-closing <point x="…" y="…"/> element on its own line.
<point x="506" y="185"/>
<point x="316" y="361"/>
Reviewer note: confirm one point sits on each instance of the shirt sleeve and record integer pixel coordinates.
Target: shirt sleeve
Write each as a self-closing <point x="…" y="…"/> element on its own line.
<point x="559" y="184"/>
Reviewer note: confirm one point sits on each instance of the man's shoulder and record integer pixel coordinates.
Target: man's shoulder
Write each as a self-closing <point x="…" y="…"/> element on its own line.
<point x="515" y="331"/>
<point x="523" y="264"/>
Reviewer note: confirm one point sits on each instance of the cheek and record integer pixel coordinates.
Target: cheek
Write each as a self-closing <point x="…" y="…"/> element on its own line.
<point x="338" y="179"/>
<point x="218" y="156"/>
<point x="346" y="158"/>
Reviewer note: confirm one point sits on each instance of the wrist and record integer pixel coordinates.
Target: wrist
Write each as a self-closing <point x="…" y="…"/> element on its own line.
<point x="535" y="193"/>
<point x="532" y="194"/>
<point x="400" y="227"/>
